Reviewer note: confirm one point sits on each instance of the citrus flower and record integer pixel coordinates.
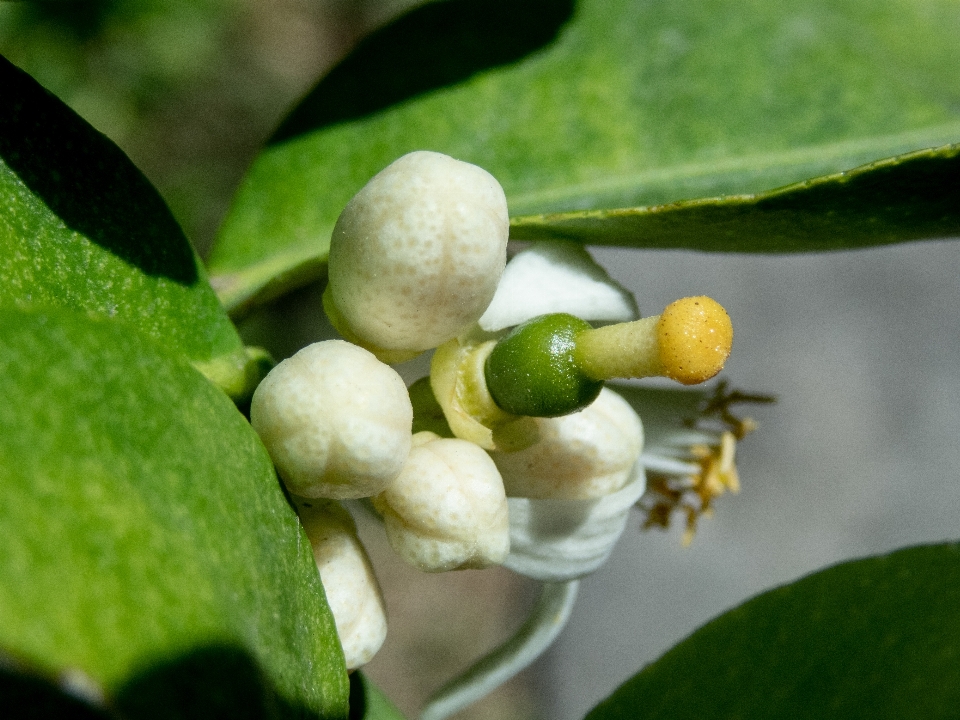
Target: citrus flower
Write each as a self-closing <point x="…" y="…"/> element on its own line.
<point x="447" y="509"/>
<point x="521" y="457"/>
<point x="416" y="255"/>
<point x="572" y="480"/>
<point x="526" y="383"/>
<point x="335" y="420"/>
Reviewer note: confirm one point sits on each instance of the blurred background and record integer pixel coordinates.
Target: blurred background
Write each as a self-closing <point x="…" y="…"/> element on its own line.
<point x="858" y="457"/>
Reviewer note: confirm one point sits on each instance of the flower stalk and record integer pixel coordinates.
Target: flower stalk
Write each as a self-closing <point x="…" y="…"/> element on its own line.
<point x="547" y="618"/>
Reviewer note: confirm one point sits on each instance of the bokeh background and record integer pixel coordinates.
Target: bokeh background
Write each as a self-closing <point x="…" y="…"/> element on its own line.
<point x="859" y="456"/>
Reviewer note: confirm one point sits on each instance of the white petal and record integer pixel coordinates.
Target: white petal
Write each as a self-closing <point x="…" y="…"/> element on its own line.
<point x="558" y="540"/>
<point x="555" y="276"/>
<point x="583" y="455"/>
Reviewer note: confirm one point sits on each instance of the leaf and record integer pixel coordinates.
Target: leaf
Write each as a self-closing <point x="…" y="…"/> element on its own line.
<point x="910" y="197"/>
<point x="148" y="549"/>
<point x="367" y="701"/>
<point x="876" y="638"/>
<point x="82" y="228"/>
<point x="619" y="103"/>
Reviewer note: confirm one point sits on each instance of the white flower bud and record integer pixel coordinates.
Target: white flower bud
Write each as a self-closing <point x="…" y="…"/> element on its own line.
<point x="447" y="509"/>
<point x="351" y="587"/>
<point x="336" y="421"/>
<point x="586" y="454"/>
<point x="416" y="255"/>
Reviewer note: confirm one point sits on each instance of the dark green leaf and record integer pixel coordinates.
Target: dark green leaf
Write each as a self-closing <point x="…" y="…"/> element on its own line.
<point x="30" y="696"/>
<point x="910" y="197"/>
<point x="82" y="228"/>
<point x="146" y="541"/>
<point x="634" y="103"/>
<point x="873" y="639"/>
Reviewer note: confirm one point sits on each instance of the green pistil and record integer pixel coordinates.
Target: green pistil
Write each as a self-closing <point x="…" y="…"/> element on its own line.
<point x="533" y="371"/>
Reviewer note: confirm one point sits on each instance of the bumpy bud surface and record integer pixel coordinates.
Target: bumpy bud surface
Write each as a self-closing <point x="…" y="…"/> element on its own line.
<point x="587" y="454"/>
<point x="352" y="591"/>
<point x="447" y="509"/>
<point x="335" y="420"/>
<point x="416" y="255"/>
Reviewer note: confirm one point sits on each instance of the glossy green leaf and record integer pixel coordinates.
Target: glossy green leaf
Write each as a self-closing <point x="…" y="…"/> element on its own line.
<point x="148" y="552"/>
<point x="910" y="197"/>
<point x="82" y="228"/>
<point x="876" y="639"/>
<point x="367" y="701"/>
<point x="610" y="104"/>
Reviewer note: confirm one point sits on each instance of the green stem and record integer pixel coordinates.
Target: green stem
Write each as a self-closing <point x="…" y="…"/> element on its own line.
<point x="547" y="618"/>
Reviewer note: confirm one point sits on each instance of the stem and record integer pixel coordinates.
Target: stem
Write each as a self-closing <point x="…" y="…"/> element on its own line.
<point x="547" y="618"/>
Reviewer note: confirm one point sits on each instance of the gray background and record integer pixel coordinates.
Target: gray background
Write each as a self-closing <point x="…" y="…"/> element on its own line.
<point x="858" y="457"/>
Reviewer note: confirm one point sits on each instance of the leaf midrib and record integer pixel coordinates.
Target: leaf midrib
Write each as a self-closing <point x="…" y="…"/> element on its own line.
<point x="829" y="156"/>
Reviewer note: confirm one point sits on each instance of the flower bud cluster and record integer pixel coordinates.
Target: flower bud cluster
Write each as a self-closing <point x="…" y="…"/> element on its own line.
<point x="418" y="262"/>
<point x="415" y="259"/>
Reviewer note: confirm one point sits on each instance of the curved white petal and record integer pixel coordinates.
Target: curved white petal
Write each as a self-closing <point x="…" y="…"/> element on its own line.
<point x="555" y="276"/>
<point x="558" y="540"/>
<point x="547" y="618"/>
